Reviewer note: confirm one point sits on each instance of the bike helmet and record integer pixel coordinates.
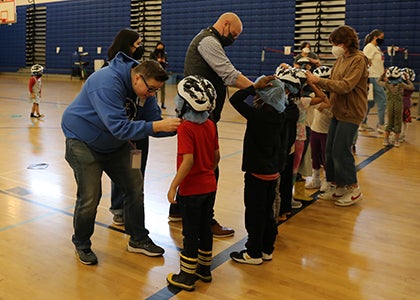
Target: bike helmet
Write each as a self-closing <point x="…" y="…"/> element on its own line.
<point x="322" y="72"/>
<point x="393" y="74"/>
<point x="409" y="73"/>
<point x="301" y="74"/>
<point x="281" y="69"/>
<point x="37" y="70"/>
<point x="198" y="92"/>
<point x="291" y="81"/>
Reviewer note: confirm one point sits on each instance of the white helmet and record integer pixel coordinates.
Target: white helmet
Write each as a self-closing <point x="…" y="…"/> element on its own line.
<point x="301" y="74"/>
<point x="198" y="92"/>
<point x="37" y="70"/>
<point x="282" y="68"/>
<point x="322" y="72"/>
<point x="393" y="73"/>
<point x="409" y="73"/>
<point x="291" y="81"/>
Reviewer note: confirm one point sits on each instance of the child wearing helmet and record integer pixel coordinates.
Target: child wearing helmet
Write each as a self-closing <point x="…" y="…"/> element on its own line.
<point x="410" y="75"/>
<point x="34" y="86"/>
<point x="392" y="80"/>
<point x="197" y="157"/>
<point x="264" y="151"/>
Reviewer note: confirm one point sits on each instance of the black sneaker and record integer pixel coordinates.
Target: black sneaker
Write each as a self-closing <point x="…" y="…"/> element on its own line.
<point x="244" y="258"/>
<point x="86" y="256"/>
<point x="118" y="220"/>
<point x="33" y="116"/>
<point x="146" y="247"/>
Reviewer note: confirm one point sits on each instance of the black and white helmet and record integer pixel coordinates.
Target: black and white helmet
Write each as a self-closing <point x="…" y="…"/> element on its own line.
<point x="37" y="70"/>
<point x="409" y="74"/>
<point x="301" y="74"/>
<point x="322" y="72"/>
<point x="198" y="92"/>
<point x="282" y="68"/>
<point x="393" y="72"/>
<point x="291" y="81"/>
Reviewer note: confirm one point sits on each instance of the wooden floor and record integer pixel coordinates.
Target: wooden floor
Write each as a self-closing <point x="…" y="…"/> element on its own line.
<point x="367" y="251"/>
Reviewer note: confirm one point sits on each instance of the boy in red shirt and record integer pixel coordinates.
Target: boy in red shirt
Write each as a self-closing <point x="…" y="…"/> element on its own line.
<point x="34" y="86"/>
<point x="197" y="158"/>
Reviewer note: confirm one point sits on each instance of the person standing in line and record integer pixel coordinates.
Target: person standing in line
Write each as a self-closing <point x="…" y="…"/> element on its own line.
<point x="348" y="97"/>
<point x="197" y="158"/>
<point x="98" y="139"/>
<point x="161" y="56"/>
<point x="376" y="68"/>
<point x="395" y="83"/>
<point x="411" y="76"/>
<point x="206" y="57"/>
<point x="306" y="59"/>
<point x="35" y="86"/>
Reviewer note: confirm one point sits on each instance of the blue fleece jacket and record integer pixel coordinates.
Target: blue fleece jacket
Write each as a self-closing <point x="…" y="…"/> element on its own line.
<point x="97" y="116"/>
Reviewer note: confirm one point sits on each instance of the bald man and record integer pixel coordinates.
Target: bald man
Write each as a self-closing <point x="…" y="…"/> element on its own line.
<point x="206" y="56"/>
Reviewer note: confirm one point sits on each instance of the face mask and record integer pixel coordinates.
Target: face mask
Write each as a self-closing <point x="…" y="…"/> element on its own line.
<point x="306" y="50"/>
<point x="227" y="40"/>
<point x="379" y="41"/>
<point x="337" y="51"/>
<point x="138" y="53"/>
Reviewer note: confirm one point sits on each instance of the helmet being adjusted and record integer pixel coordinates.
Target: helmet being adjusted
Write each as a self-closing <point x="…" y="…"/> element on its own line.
<point x="196" y="98"/>
<point x="37" y="70"/>
<point x="409" y="74"/>
<point x="322" y="72"/>
<point x="291" y="81"/>
<point x="393" y="74"/>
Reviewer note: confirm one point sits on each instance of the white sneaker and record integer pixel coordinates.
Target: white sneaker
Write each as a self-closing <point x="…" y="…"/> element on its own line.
<point x="313" y="184"/>
<point x="380" y="128"/>
<point x="397" y="144"/>
<point x="352" y="196"/>
<point x="296" y="204"/>
<point x="334" y="193"/>
<point x="325" y="186"/>
<point x="385" y="142"/>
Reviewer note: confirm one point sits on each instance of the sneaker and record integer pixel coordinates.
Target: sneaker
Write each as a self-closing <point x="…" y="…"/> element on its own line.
<point x="244" y="258"/>
<point x="385" y="142"/>
<point x="221" y="231"/>
<point x="325" y="186"/>
<point x="267" y="257"/>
<point x="397" y="144"/>
<point x="334" y="193"/>
<point x="118" y="220"/>
<point x="352" y="196"/>
<point x="146" y="247"/>
<point x="380" y="128"/>
<point x="175" y="217"/>
<point x="40" y="116"/>
<point x="33" y="116"/>
<point x="296" y="204"/>
<point x="363" y="127"/>
<point x="86" y="256"/>
<point x="313" y="184"/>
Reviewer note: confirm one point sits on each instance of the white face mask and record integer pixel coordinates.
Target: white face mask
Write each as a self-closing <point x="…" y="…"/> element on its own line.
<point x="306" y="50"/>
<point x="337" y="51"/>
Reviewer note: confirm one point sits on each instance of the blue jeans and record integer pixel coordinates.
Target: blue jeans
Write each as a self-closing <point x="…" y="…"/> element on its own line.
<point x="88" y="166"/>
<point x="341" y="167"/>
<point x="117" y="194"/>
<point x="379" y="97"/>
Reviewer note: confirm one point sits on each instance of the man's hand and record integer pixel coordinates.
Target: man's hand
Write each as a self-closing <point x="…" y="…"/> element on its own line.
<point x="166" y="125"/>
<point x="264" y="82"/>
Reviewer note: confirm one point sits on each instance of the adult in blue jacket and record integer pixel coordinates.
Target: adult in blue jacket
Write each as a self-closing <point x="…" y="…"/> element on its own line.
<point x="98" y="134"/>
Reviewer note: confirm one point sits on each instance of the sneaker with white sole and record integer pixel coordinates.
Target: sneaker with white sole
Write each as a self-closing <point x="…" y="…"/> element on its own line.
<point x="315" y="183"/>
<point x="86" y="256"/>
<point x="352" y="196"/>
<point x="267" y="257"/>
<point x="244" y="258"/>
<point x="333" y="194"/>
<point x="296" y="204"/>
<point x="325" y="186"/>
<point x="386" y="142"/>
<point x="146" y="247"/>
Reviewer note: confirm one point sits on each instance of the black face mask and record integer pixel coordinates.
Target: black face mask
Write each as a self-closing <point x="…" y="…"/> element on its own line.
<point x="138" y="53"/>
<point x="379" y="41"/>
<point x="227" y="40"/>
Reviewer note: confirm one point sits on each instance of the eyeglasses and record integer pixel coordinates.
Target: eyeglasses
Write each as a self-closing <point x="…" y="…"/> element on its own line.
<point x="149" y="89"/>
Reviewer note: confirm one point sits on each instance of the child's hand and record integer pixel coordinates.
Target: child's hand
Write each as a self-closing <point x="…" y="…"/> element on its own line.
<point x="172" y="195"/>
<point x="264" y="82"/>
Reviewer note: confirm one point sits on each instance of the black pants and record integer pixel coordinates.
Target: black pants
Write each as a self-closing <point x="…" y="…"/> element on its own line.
<point x="197" y="211"/>
<point x="259" y="220"/>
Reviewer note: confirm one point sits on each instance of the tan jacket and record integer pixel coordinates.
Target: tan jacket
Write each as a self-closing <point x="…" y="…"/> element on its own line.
<point x="348" y="87"/>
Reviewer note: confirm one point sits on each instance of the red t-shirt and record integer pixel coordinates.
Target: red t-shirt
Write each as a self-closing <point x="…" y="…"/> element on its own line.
<point x="200" y="140"/>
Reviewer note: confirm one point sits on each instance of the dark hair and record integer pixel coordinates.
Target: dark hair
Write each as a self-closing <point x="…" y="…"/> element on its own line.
<point x="151" y="69"/>
<point x="160" y="43"/>
<point x="346" y="35"/>
<point x="369" y="37"/>
<point x="122" y="42"/>
<point x="303" y="45"/>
